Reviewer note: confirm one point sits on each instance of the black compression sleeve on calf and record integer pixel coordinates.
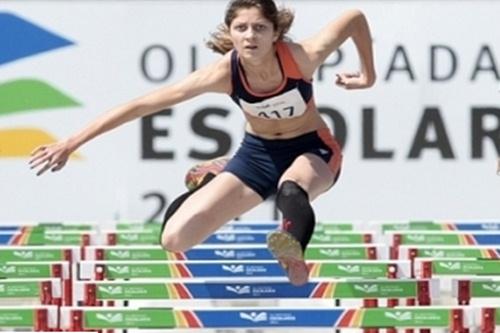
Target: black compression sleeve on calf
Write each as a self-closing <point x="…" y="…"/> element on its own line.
<point x="298" y="215"/>
<point x="174" y="206"/>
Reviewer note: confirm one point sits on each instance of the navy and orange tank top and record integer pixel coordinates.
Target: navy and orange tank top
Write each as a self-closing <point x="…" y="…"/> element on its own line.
<point x="289" y="100"/>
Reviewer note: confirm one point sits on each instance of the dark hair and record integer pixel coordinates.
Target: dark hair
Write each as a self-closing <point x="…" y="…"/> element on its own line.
<point x="280" y="18"/>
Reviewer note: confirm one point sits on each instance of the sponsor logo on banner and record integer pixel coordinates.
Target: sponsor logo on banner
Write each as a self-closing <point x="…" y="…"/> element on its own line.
<point x="8" y="269"/>
<point x="490" y="226"/>
<point x="119" y="269"/>
<point x="233" y="268"/>
<point x="226" y="237"/>
<point x="239" y="290"/>
<point x="399" y="315"/>
<point x="416" y="238"/>
<point x="24" y="254"/>
<point x="111" y="290"/>
<point x="120" y="254"/>
<point x="492" y="287"/>
<point x="330" y="252"/>
<point x="130" y="236"/>
<point x="54" y="237"/>
<point x="255" y="317"/>
<point x="322" y="237"/>
<point x="110" y="317"/>
<point x="19" y="95"/>
<point x="225" y="253"/>
<point x="452" y="266"/>
<point x="366" y="288"/>
<point x="350" y="268"/>
<point x="434" y="253"/>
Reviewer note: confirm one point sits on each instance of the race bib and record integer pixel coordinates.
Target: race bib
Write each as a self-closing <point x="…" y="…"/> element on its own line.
<point x="285" y="106"/>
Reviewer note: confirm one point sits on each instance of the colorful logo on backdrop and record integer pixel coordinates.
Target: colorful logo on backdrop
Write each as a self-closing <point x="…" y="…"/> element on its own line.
<point x="22" y="40"/>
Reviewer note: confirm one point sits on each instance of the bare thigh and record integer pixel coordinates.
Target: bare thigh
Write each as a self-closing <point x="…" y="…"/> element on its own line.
<point x="311" y="173"/>
<point x="218" y="202"/>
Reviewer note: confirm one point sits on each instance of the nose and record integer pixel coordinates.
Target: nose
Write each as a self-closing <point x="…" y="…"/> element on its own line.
<point x="250" y="33"/>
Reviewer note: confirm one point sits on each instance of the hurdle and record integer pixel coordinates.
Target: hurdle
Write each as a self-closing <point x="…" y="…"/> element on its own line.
<point x="22" y="253"/>
<point x="33" y="270"/>
<point x="448" y="251"/>
<point x="37" y="318"/>
<point x="92" y="293"/>
<point x="240" y="252"/>
<point x="46" y="291"/>
<point x="49" y="237"/>
<point x="436" y="225"/>
<point x="148" y="237"/>
<point x="100" y="270"/>
<point x="94" y="318"/>
<point x="429" y="267"/>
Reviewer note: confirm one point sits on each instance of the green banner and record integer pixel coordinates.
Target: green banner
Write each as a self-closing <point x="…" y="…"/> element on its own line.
<point x="375" y="289"/>
<point x="143" y="318"/>
<point x="416" y="225"/>
<point x="8" y="270"/>
<point x="485" y="288"/>
<point x="456" y="253"/>
<point x="19" y="289"/>
<point x="43" y="227"/>
<point x="324" y="225"/>
<point x="140" y="237"/>
<point x="118" y="291"/>
<point x="17" y="318"/>
<point x="49" y="238"/>
<point x="406" y="318"/>
<point x="337" y="253"/>
<point x="430" y="239"/>
<point x="332" y="238"/>
<point x="365" y="270"/>
<point x="41" y="254"/>
<point x="125" y="271"/>
<point x="469" y="267"/>
<point x="135" y="254"/>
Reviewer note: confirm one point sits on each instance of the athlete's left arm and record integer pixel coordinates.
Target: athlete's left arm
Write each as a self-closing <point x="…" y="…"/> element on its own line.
<point x="316" y="49"/>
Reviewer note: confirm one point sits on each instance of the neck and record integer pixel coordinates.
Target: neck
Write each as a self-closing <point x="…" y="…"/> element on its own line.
<point x="263" y="67"/>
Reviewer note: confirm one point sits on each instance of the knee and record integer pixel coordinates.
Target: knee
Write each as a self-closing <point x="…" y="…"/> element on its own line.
<point x="178" y="237"/>
<point x="290" y="192"/>
<point x="172" y="242"/>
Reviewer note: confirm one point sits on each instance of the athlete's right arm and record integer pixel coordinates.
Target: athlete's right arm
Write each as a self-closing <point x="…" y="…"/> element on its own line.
<point x="212" y="78"/>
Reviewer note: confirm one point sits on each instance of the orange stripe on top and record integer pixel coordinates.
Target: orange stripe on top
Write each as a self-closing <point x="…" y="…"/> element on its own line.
<point x="336" y="161"/>
<point x="289" y="64"/>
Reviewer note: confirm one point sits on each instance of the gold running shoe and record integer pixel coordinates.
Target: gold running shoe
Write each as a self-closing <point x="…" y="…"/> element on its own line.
<point x="195" y="175"/>
<point x="288" y="251"/>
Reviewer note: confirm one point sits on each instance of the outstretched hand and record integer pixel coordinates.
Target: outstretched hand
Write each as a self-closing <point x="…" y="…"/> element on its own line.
<point x="53" y="156"/>
<point x="354" y="80"/>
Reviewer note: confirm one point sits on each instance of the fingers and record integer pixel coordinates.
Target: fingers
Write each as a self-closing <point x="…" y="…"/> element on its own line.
<point x="37" y="150"/>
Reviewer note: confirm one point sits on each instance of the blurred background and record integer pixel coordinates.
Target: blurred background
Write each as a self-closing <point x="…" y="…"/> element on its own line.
<point x="422" y="143"/>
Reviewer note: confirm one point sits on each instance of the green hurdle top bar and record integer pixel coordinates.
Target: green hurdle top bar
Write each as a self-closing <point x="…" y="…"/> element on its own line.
<point x="39" y="253"/>
<point x="448" y="251"/>
<point x="255" y="252"/>
<point x="368" y="269"/>
<point x="92" y="292"/>
<point x="428" y="267"/>
<point x="95" y="318"/>
<point x="38" y="318"/>
<point x="23" y="270"/>
<point x="468" y="238"/>
<point x="46" y="290"/>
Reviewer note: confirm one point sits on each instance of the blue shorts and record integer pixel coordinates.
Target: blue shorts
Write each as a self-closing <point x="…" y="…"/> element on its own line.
<point x="259" y="163"/>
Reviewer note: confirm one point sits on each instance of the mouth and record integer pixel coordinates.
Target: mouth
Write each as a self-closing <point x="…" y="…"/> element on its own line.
<point x="250" y="47"/>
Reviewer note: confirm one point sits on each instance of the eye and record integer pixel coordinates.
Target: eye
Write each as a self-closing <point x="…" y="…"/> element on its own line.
<point x="260" y="27"/>
<point x="240" y="27"/>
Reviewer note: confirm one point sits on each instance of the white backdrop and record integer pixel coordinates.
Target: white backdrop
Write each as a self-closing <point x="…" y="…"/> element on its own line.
<point x="103" y="69"/>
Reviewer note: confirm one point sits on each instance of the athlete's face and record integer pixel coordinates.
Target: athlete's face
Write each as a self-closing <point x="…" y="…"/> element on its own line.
<point x="252" y="34"/>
